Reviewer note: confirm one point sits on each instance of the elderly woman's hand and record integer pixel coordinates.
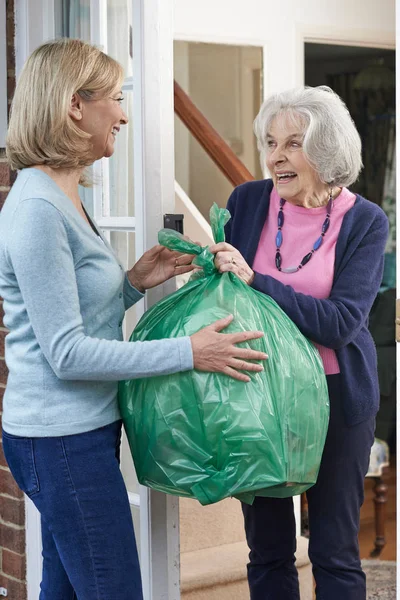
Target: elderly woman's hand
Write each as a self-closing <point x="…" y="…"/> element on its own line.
<point x="158" y="265"/>
<point x="227" y="258"/>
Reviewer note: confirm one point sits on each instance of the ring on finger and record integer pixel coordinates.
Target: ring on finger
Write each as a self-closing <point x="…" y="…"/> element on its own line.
<point x="233" y="261"/>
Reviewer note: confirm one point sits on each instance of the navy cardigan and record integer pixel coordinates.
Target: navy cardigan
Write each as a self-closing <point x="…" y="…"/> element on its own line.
<point x="341" y="321"/>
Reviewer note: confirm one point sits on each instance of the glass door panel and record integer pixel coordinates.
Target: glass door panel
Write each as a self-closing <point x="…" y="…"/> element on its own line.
<point x="119" y="33"/>
<point x="121" y="203"/>
<point x="72" y="19"/>
<point x="123" y="244"/>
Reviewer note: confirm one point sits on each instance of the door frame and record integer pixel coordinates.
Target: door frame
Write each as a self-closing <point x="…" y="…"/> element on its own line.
<point x="363" y="38"/>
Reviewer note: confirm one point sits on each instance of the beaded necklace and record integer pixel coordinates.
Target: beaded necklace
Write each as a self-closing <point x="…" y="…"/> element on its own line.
<point x="317" y="244"/>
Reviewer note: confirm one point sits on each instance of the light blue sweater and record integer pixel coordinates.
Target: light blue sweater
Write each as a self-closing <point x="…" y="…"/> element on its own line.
<point x="65" y="295"/>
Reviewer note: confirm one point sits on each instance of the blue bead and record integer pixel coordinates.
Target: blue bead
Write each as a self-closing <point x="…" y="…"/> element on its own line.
<point x="281" y="218"/>
<point x="278" y="260"/>
<point x="279" y="239"/>
<point x="318" y="243"/>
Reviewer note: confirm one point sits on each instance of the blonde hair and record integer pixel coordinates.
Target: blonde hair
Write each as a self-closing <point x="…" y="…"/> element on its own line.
<point x="40" y="131"/>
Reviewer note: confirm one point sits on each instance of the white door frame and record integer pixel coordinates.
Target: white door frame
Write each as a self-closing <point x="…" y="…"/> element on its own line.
<point x="154" y="196"/>
<point x="154" y="182"/>
<point x="337" y="37"/>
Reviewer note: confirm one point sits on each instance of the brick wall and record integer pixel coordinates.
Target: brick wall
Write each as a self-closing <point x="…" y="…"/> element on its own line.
<point x="12" y="505"/>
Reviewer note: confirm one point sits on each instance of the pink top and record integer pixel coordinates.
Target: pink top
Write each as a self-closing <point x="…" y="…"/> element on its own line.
<point x="301" y="229"/>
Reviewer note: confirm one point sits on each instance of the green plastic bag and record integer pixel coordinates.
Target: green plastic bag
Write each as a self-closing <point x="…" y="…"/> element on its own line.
<point x="206" y="435"/>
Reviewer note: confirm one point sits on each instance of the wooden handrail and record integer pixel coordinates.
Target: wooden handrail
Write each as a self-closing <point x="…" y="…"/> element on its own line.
<point x="209" y="139"/>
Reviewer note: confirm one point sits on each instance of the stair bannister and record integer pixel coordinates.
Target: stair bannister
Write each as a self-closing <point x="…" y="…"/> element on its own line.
<point x="215" y="146"/>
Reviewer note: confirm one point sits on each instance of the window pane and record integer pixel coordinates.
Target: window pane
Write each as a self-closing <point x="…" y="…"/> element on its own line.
<point x="119" y="32"/>
<point x="86" y="194"/>
<point x="72" y="19"/>
<point x="123" y="244"/>
<point x="121" y="166"/>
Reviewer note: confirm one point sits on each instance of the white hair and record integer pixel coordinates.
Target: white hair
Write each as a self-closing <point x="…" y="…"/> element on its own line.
<point x="331" y="141"/>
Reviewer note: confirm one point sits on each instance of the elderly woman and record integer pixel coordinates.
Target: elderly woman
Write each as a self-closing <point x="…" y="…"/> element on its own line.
<point x="316" y="248"/>
<point x="65" y="294"/>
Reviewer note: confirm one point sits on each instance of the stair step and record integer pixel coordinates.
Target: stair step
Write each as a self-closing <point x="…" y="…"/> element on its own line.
<point x="224" y="564"/>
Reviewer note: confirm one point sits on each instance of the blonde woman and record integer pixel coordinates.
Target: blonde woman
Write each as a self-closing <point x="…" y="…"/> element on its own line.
<point x="65" y="294"/>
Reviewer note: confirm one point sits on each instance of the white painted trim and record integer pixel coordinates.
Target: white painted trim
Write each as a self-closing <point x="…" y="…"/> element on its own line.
<point x="33" y="538"/>
<point x="265" y="57"/>
<point x="218" y="39"/>
<point x="173" y="548"/>
<point x="367" y="38"/>
<point x="117" y="223"/>
<point x="155" y="196"/>
<point x="138" y="70"/>
<point x="138" y="156"/>
<point x="338" y="37"/>
<point x="3" y="75"/>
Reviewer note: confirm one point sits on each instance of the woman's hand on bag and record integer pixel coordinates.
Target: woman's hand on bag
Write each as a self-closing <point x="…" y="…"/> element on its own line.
<point x="216" y="352"/>
<point x="158" y="265"/>
<point x="227" y="258"/>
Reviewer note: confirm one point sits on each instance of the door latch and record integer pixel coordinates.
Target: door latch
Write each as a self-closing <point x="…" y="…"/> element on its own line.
<point x="174" y="222"/>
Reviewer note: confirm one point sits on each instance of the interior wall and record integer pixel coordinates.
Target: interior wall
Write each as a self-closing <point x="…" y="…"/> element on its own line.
<point x="221" y="82"/>
<point x="182" y="136"/>
<point x="281" y="26"/>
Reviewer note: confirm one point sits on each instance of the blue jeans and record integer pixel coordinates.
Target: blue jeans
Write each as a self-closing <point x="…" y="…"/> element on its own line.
<point x="334" y="516"/>
<point x="89" y="548"/>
